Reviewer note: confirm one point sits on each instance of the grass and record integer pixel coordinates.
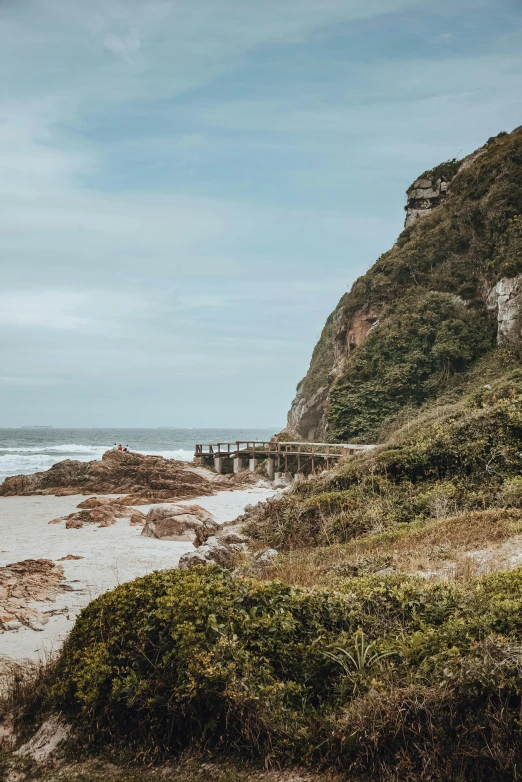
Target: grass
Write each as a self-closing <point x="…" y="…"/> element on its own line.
<point x="437" y="548"/>
<point x="190" y="767"/>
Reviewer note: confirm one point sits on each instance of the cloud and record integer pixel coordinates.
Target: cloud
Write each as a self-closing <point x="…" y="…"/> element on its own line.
<point x="186" y="185"/>
<point x="65" y="310"/>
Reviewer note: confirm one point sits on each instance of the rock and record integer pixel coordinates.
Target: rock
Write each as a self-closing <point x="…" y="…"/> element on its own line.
<point x="268" y="556"/>
<point x="137" y="519"/>
<point x="73" y="523"/>
<point x="104" y="515"/>
<point x="21" y="583"/>
<point x="229" y="538"/>
<point x="181" y="527"/>
<point x="211" y="552"/>
<point x="12" y="624"/>
<point x="150" y="477"/>
<point x="505" y="300"/>
<point x="96" y="502"/>
<point x="167" y="511"/>
<point x="178" y="522"/>
<point x="69" y="557"/>
<point x="192" y="558"/>
<point x="386" y="571"/>
<point x="46" y="740"/>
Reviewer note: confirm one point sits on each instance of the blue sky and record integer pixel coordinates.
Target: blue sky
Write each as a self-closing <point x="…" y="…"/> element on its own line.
<point x="187" y="188"/>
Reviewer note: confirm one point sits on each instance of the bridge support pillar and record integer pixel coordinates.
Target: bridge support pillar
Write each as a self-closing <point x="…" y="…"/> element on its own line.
<point x="218" y="464"/>
<point x="269" y="468"/>
<point x="283" y="476"/>
<point x="238" y="465"/>
<point x="252" y="464"/>
<point x="199" y="461"/>
<point x="298" y="477"/>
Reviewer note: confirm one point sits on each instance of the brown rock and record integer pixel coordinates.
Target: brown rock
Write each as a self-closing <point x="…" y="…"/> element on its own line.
<point x="21" y="583"/>
<point x="182" y="527"/>
<point x="73" y="522"/>
<point x="104" y="515"/>
<point x="178" y="522"/>
<point x="70" y="556"/>
<point x="150" y="477"/>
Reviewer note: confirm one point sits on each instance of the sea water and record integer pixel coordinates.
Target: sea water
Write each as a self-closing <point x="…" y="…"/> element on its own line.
<point x="27" y="450"/>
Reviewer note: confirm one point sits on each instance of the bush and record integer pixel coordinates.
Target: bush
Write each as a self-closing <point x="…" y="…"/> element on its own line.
<point x="199" y="655"/>
<point x="205" y="658"/>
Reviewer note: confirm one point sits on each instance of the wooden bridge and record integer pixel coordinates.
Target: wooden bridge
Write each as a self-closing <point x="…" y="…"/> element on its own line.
<point x="295" y="457"/>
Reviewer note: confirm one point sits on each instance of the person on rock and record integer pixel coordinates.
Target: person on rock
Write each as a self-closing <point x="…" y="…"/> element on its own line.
<point x="126" y="449"/>
<point x="120" y="447"/>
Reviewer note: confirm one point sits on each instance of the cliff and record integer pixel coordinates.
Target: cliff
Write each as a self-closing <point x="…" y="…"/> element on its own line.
<point x="447" y="292"/>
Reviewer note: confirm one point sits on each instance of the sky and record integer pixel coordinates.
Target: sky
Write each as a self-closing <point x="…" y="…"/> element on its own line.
<point x="187" y="187"/>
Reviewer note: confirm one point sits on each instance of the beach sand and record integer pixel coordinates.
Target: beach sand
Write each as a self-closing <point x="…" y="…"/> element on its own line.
<point x="111" y="556"/>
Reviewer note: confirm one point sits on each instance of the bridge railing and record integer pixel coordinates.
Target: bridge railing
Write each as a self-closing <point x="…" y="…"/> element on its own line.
<point x="269" y="448"/>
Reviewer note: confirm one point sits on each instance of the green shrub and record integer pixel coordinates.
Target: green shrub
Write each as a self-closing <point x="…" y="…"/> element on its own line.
<point x="208" y="659"/>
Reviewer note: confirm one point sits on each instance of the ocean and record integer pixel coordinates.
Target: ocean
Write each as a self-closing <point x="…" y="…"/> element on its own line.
<point x="34" y="449"/>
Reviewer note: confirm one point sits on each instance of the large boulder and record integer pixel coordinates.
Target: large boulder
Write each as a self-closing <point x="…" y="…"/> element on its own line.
<point x="178" y="522"/>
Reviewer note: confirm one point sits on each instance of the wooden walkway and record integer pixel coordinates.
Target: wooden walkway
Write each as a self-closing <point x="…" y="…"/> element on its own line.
<point x="280" y="452"/>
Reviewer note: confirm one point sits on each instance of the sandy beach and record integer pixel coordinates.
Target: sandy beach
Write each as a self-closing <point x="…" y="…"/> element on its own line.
<point x="111" y="556"/>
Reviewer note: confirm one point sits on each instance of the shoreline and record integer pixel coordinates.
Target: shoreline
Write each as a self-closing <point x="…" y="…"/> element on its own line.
<point x="110" y="556"/>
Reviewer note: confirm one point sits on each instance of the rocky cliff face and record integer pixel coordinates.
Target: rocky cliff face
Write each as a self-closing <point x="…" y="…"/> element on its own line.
<point x="463" y="237"/>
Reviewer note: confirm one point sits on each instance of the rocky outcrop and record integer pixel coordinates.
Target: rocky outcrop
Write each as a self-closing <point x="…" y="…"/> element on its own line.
<point x="423" y="196"/>
<point x="22" y="583"/>
<point x="149" y="477"/>
<point x="505" y="301"/>
<point x="178" y="522"/>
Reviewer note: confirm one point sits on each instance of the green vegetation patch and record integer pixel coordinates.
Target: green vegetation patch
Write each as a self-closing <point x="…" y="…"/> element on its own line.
<point x="471" y="460"/>
<point x="203" y="658"/>
<point x="421" y="342"/>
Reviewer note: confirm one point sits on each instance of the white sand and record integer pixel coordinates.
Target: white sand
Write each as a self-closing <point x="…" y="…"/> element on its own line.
<point x="112" y="555"/>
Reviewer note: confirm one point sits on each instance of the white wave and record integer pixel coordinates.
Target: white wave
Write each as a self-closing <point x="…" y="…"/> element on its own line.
<point x="72" y="448"/>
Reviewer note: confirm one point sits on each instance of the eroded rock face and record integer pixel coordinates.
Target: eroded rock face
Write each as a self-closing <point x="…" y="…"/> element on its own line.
<point x="150" y="477"/>
<point x="505" y="300"/>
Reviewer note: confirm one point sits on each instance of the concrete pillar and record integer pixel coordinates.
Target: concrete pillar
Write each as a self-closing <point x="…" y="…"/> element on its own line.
<point x="238" y="465"/>
<point x="282" y="476"/>
<point x="269" y="468"/>
<point x="218" y="464"/>
<point x="252" y="464"/>
<point x="298" y="477"/>
<point x="199" y="461"/>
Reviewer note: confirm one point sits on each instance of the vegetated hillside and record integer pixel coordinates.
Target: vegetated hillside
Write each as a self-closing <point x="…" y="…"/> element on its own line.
<point x="442" y="297"/>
